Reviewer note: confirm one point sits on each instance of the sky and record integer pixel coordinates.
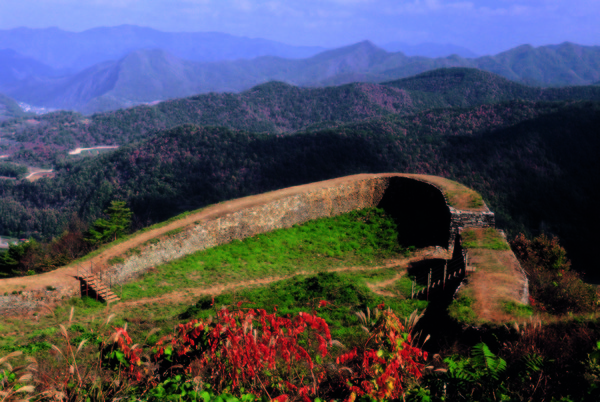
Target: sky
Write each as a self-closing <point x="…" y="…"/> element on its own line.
<point x="483" y="26"/>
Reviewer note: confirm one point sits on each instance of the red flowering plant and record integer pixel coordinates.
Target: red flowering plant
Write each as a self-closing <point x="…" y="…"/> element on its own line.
<point x="250" y="350"/>
<point x="388" y="364"/>
<point x="117" y="354"/>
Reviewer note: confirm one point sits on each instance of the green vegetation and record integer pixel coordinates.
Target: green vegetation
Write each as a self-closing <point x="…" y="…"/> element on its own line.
<point x="116" y="260"/>
<point x="12" y="170"/>
<point x="517" y="309"/>
<point x="364" y="237"/>
<point x="117" y="225"/>
<point x="489" y="239"/>
<point x="461" y="309"/>
<point x="553" y="286"/>
<point x="345" y="294"/>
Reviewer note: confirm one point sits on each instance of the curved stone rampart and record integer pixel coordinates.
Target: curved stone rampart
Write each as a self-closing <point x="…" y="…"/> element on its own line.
<point x="415" y="200"/>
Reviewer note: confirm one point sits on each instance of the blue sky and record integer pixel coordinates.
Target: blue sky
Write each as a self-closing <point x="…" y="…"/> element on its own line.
<point x="484" y="26"/>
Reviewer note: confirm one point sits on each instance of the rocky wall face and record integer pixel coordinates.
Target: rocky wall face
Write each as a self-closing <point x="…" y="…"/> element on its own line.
<point x="277" y="214"/>
<point x="469" y="219"/>
<point x="26" y="302"/>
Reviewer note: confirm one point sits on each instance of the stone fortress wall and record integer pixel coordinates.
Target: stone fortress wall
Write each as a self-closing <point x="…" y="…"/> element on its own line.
<point x="412" y="199"/>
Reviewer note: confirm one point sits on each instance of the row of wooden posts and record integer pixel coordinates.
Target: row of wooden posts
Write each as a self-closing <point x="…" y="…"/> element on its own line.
<point x="430" y="285"/>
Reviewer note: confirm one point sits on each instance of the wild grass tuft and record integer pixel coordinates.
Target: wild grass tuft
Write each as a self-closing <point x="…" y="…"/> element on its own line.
<point x="517" y="309"/>
<point x="461" y="309"/>
<point x="488" y="238"/>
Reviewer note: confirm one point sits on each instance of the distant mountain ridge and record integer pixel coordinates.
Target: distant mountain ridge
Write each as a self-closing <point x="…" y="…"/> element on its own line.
<point x="145" y="76"/>
<point x="79" y="50"/>
<point x="15" y="67"/>
<point x="432" y="50"/>
<point x="9" y="109"/>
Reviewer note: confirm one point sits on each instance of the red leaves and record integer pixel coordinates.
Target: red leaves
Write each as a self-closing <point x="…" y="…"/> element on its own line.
<point x="387" y="364"/>
<point x="245" y="348"/>
<point x="267" y="354"/>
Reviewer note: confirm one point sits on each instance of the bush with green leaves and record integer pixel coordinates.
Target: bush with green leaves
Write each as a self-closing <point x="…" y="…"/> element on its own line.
<point x="481" y="377"/>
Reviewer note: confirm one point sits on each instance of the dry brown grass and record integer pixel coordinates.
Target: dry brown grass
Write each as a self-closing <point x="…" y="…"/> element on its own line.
<point x="497" y="279"/>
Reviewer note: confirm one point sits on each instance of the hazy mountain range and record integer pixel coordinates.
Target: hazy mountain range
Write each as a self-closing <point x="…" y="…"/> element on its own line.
<point x="173" y="67"/>
<point x="76" y="51"/>
<point x="432" y="50"/>
<point x="9" y="108"/>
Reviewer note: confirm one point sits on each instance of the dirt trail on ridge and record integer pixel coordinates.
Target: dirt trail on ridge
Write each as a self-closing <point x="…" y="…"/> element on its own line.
<point x="67" y="276"/>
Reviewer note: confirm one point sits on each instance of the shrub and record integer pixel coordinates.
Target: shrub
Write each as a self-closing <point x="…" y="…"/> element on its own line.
<point x="553" y="286"/>
<point x="387" y="365"/>
<point x="250" y="350"/>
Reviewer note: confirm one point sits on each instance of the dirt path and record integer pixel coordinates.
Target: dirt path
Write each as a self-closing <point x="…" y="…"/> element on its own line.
<point x="78" y="151"/>
<point x="34" y="171"/>
<point x="379" y="287"/>
<point x="191" y="294"/>
<point x="67" y="276"/>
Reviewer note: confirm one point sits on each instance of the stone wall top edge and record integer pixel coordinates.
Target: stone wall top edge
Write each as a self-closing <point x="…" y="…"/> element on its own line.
<point x="245" y="203"/>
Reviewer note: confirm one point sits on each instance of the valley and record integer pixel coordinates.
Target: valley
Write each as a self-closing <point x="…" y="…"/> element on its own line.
<point x="255" y="199"/>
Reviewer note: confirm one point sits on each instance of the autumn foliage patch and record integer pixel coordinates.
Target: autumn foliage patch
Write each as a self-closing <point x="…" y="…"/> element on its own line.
<point x="241" y="352"/>
<point x="553" y="286"/>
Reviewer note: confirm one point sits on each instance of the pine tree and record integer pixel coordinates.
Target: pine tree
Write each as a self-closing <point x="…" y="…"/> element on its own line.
<point x="105" y="230"/>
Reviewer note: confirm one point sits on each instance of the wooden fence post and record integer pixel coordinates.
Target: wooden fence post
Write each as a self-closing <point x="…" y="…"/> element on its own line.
<point x="428" y="283"/>
<point x="445" y="271"/>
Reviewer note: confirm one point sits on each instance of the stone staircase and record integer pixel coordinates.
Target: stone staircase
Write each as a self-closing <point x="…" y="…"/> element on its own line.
<point x="91" y="282"/>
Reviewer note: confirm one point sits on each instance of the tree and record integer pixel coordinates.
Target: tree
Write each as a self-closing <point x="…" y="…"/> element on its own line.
<point x="11" y="261"/>
<point x="103" y="230"/>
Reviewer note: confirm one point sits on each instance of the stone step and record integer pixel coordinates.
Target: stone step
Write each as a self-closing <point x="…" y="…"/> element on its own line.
<point x="100" y="288"/>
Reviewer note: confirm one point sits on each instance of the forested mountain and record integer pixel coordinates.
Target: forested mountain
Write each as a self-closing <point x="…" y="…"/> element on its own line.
<point x="15" y="68"/>
<point x="79" y="50"/>
<point x="530" y="160"/>
<point x="274" y="108"/>
<point x="9" y="109"/>
<point x="145" y="76"/>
